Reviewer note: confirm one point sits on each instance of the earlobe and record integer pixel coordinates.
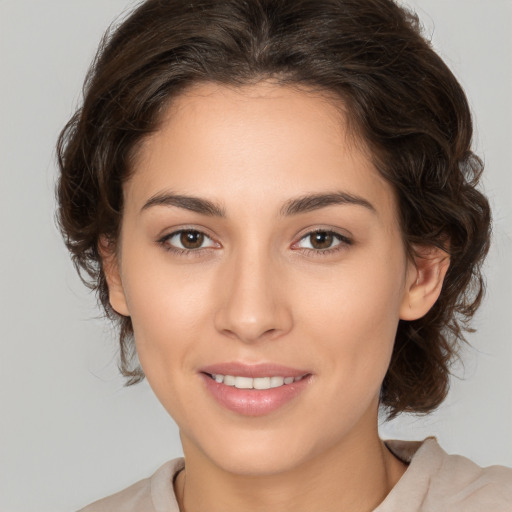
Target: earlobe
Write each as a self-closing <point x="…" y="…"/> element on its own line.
<point x="425" y="277"/>
<point x="110" y="265"/>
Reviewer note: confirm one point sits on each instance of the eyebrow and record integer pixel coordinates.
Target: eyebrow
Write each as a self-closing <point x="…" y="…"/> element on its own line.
<point x="311" y="202"/>
<point x="194" y="204"/>
<point x="303" y="204"/>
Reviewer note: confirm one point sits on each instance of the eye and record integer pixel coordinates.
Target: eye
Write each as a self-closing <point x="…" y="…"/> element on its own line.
<point x="187" y="240"/>
<point x="322" y="241"/>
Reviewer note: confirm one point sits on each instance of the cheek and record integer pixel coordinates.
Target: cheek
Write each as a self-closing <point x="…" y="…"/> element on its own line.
<point x="169" y="311"/>
<point x="354" y="316"/>
<point x="169" y="318"/>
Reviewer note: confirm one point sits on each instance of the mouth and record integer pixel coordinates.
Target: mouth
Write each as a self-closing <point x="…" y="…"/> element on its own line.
<point x="254" y="390"/>
<point x="259" y="383"/>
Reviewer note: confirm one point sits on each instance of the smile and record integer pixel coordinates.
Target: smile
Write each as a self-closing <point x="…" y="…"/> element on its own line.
<point x="254" y="389"/>
<point x="260" y="383"/>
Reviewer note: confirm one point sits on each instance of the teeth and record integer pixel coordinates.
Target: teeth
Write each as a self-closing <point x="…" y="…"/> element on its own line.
<point x="229" y="380"/>
<point x="242" y="382"/>
<point x="261" y="383"/>
<point x="276" y="382"/>
<point x="256" y="383"/>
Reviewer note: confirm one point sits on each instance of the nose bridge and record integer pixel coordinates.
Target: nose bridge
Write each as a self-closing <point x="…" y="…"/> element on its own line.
<point x="252" y="307"/>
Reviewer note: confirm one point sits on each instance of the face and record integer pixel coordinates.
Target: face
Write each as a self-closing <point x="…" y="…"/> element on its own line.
<point x="259" y="242"/>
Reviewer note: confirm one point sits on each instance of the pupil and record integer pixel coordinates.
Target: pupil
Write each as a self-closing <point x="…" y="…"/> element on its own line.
<point x="322" y="240"/>
<point x="191" y="239"/>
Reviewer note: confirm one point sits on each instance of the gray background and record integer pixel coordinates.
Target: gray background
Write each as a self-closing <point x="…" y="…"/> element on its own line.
<point x="69" y="432"/>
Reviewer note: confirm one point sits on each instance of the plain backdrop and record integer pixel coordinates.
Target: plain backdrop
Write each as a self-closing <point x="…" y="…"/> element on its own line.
<point x="69" y="431"/>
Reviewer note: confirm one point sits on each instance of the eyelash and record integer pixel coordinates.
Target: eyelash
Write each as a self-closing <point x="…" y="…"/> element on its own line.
<point x="343" y="240"/>
<point x="179" y="251"/>
<point x="343" y="243"/>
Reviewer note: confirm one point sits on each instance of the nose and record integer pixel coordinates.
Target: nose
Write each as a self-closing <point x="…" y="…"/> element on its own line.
<point x="253" y="301"/>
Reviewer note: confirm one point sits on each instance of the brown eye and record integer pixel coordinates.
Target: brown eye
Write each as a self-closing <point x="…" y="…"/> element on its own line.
<point x="191" y="239"/>
<point x="321" y="240"/>
<point x="187" y="240"/>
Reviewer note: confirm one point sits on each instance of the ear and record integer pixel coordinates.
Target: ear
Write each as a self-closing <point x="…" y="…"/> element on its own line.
<point x="425" y="277"/>
<point x="110" y="263"/>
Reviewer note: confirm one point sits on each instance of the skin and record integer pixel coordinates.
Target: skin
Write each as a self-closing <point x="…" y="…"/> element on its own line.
<point x="258" y="290"/>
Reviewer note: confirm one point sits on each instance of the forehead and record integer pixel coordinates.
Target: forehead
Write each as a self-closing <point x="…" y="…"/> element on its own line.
<point x="264" y="113"/>
<point x="255" y="141"/>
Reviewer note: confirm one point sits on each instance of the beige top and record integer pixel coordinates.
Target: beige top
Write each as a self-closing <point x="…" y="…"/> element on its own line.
<point x="433" y="482"/>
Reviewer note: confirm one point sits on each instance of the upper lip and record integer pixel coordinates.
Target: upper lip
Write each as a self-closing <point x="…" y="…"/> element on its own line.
<point x="253" y="370"/>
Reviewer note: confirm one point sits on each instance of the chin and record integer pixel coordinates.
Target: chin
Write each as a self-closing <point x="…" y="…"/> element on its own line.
<point x="257" y="462"/>
<point x="262" y="452"/>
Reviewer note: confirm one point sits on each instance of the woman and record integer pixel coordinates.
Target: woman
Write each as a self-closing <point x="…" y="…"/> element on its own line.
<point x="276" y="200"/>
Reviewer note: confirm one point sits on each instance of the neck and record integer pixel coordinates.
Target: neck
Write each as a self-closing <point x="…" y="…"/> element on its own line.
<point x="356" y="475"/>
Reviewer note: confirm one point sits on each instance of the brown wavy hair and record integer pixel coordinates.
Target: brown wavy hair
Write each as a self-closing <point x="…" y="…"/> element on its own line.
<point x="400" y="98"/>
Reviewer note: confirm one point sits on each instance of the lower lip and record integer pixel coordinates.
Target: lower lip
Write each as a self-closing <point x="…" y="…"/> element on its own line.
<point x="254" y="402"/>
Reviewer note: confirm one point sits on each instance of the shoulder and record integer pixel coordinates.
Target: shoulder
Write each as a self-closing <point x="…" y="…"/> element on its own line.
<point x="437" y="481"/>
<point x="153" y="494"/>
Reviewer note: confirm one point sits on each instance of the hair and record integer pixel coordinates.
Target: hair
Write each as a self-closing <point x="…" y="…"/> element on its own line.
<point x="399" y="96"/>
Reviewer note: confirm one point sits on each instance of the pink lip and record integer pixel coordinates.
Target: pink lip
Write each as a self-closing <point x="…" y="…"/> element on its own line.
<point x="254" y="402"/>
<point x="253" y="370"/>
